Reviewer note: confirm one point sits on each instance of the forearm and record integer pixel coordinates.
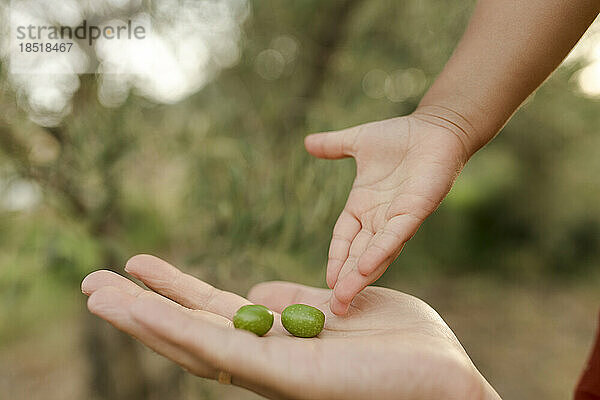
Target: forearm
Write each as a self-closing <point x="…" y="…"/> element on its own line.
<point x="507" y="51"/>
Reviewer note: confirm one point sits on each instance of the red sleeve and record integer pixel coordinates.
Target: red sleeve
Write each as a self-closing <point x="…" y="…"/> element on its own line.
<point x="589" y="384"/>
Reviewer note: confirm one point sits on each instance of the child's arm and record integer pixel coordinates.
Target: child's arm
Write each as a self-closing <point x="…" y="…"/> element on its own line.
<point x="406" y="166"/>
<point x="509" y="48"/>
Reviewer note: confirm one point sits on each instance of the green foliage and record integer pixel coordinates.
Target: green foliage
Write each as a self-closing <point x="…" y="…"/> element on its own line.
<point x="221" y="183"/>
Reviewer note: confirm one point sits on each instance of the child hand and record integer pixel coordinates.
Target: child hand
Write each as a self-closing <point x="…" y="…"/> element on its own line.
<point x="404" y="168"/>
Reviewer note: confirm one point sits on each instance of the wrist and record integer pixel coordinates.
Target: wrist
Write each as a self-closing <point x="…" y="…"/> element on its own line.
<point x="474" y="125"/>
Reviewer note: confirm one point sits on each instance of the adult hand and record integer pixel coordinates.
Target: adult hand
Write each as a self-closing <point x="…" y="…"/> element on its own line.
<point x="404" y="168"/>
<point x="391" y="345"/>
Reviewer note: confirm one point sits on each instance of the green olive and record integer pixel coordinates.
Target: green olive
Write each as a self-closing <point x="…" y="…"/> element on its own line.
<point x="254" y="318"/>
<point x="303" y="321"/>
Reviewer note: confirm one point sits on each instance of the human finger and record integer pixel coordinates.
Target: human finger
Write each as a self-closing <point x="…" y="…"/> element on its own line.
<point x="182" y="288"/>
<point x="387" y="241"/>
<point x="114" y="305"/>
<point x="345" y="230"/>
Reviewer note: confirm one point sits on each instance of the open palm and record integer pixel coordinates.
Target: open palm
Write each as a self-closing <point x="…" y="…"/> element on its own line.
<point x="404" y="168"/>
<point x="390" y="345"/>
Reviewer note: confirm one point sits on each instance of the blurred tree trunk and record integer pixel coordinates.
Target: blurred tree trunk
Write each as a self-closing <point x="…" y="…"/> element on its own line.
<point x="116" y="371"/>
<point x="115" y="365"/>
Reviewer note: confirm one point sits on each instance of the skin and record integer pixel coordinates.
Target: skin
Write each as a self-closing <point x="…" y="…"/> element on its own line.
<point x="406" y="166"/>
<point x="390" y="345"/>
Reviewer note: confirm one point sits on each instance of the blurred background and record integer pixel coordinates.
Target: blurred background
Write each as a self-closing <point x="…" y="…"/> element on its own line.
<point x="200" y="160"/>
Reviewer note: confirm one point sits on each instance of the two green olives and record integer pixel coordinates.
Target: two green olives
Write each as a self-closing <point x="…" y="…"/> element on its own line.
<point x="300" y="320"/>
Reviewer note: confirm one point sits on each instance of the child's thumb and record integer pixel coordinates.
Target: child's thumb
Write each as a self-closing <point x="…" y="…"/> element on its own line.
<point x="331" y="145"/>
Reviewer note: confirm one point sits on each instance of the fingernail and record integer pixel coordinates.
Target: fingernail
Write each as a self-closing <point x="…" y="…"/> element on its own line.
<point x="83" y="283"/>
<point x="130" y="270"/>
